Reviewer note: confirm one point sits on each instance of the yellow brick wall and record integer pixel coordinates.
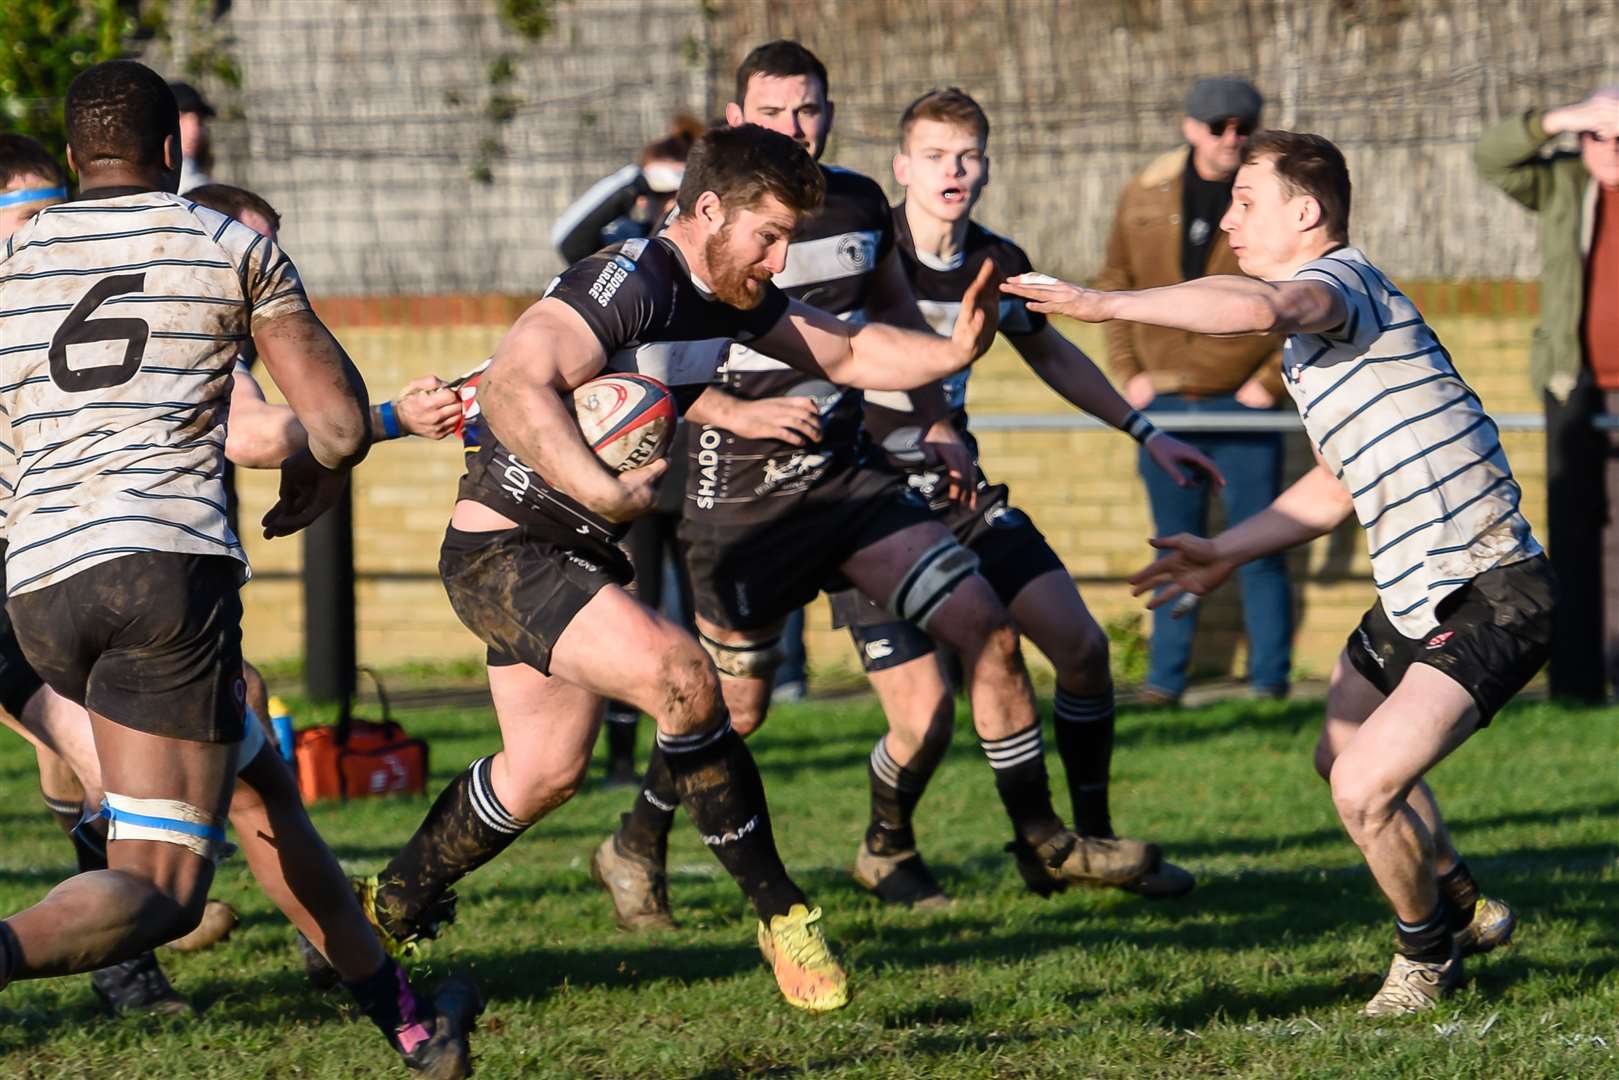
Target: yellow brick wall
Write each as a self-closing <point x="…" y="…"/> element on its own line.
<point x="1081" y="488"/>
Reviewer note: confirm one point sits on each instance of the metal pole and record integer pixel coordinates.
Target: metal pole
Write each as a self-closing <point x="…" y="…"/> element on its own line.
<point x="329" y="652"/>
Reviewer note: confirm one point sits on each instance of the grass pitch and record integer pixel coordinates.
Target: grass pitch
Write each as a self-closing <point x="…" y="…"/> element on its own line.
<point x="1259" y="973"/>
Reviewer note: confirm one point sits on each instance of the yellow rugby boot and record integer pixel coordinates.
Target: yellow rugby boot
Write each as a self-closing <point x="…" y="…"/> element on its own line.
<point x="796" y="951"/>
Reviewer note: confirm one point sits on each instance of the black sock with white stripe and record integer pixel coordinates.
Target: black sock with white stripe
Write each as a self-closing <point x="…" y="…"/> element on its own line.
<point x="466" y="827"/>
<point x="1428" y="940"/>
<point x="645" y="831"/>
<point x="1085" y="742"/>
<point x="895" y="791"/>
<point x="720" y="788"/>
<point x="1020" y="778"/>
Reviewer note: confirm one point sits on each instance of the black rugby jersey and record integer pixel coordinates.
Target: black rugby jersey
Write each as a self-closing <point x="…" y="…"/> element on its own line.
<point x="939" y="288"/>
<point x="635" y="293"/>
<point x="829" y="265"/>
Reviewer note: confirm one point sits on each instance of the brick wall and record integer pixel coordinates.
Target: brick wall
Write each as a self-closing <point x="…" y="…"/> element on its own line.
<point x="1080" y="487"/>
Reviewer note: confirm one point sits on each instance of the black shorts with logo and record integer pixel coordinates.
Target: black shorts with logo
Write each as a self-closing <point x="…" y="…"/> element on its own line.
<point x="1494" y="634"/>
<point x="518" y="590"/>
<point x="1011" y="553"/>
<point x="747" y="576"/>
<point x="151" y="641"/>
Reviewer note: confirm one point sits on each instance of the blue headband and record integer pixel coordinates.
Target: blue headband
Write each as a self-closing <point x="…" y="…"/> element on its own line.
<point x="32" y="194"/>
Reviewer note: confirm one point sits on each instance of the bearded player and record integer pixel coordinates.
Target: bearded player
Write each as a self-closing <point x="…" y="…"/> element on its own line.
<point x="769" y="524"/>
<point x="531" y="564"/>
<point x="943" y="165"/>
<point x="1463" y="613"/>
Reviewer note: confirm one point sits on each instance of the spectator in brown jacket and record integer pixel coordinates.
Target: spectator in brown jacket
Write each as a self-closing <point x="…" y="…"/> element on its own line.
<point x="1167" y="230"/>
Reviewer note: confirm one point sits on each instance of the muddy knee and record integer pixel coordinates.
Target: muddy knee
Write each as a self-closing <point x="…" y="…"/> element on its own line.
<point x="690" y="691"/>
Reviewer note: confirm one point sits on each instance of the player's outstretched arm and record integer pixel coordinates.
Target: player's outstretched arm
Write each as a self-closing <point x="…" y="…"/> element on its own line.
<point x="878" y="357"/>
<point x="1065" y="368"/>
<point x="261" y="435"/>
<point x="1224" y="304"/>
<point x="547" y="352"/>
<point x="1313" y="506"/>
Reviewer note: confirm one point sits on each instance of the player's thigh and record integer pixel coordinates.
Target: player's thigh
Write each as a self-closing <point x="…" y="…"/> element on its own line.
<point x="619" y="648"/>
<point x="1050" y="612"/>
<point x="64" y="728"/>
<point x="1351" y="700"/>
<point x="168" y="800"/>
<point x="547" y="727"/>
<point x="923" y="574"/>
<point x="1428" y="715"/>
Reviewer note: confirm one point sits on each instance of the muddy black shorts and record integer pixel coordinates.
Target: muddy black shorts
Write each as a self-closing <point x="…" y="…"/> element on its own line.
<point x="1494" y="634"/>
<point x="1011" y="553"/>
<point x="152" y="641"/>
<point x="518" y="592"/>
<point x="746" y="576"/>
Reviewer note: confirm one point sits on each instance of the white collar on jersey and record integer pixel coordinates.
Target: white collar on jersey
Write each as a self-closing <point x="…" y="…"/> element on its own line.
<point x="933" y="262"/>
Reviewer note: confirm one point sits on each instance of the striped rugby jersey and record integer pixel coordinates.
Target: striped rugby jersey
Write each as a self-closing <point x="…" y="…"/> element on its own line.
<point x="121" y="315"/>
<point x="1389" y="414"/>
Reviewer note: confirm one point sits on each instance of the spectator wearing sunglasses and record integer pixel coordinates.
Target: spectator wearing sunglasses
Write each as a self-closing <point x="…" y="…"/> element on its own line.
<point x="1167" y="230"/>
<point x="1574" y="361"/>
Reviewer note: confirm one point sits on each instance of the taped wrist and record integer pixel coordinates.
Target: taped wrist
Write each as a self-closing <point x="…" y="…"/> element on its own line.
<point x="1138" y="427"/>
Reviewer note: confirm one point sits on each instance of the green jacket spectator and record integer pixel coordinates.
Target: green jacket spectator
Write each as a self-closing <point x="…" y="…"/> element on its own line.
<point x="1562" y="192"/>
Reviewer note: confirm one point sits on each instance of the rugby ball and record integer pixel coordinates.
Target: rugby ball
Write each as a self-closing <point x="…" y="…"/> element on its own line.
<point x="628" y="419"/>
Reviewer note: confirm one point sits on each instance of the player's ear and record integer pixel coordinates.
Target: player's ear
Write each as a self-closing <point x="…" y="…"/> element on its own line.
<point x="1309" y="213"/>
<point x="72" y="166"/>
<point x="709" y="211"/>
<point x="902" y="169"/>
<point x="1191" y="129"/>
<point x="827" y="127"/>
<point x="733" y="114"/>
<point x="986" y="172"/>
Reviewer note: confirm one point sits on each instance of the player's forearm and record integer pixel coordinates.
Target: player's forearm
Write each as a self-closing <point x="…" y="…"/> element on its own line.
<point x="1065" y="368"/>
<point x="530" y="420"/>
<point x="1313" y="506"/>
<point x="889" y="358"/>
<point x="1222" y="304"/>
<point x="262" y="436"/>
<point x="321" y="385"/>
<point x="713" y="407"/>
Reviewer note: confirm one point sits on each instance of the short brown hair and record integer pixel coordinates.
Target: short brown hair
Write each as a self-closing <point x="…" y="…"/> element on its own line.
<point x="231" y="201"/>
<point x="952" y="105"/>
<point x="1310" y="165"/>
<point x="744" y="164"/>
<point x="21" y="156"/>
<point x="779" y="60"/>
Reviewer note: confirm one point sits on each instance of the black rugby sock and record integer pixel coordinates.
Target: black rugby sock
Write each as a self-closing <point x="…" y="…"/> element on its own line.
<point x="66" y="812"/>
<point x="1458" y="887"/>
<point x="621" y="721"/>
<point x="466" y="827"/>
<point x="1429" y="940"/>
<point x="1020" y="780"/>
<point x="720" y="788"/>
<point x="895" y="791"/>
<point x="645" y="831"/>
<point x="387" y="999"/>
<point x="1084" y="728"/>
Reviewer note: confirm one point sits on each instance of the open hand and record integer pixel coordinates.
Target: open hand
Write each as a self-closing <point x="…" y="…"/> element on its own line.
<point x="792" y="420"/>
<point x="1189" y="564"/>
<point x="1174" y="456"/>
<point x="980" y="315"/>
<point x="1052" y="297"/>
